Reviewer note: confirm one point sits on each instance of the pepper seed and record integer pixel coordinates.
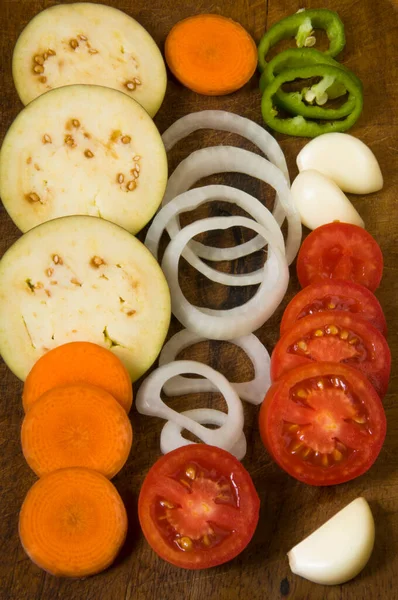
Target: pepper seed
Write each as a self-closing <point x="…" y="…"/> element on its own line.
<point x="38" y="69"/>
<point x="131" y="185"/>
<point x="39" y="59"/>
<point x="126" y="139"/>
<point x="130" y="85"/>
<point x="88" y="154"/>
<point x="120" y="178"/>
<point x="46" y="139"/>
<point x="73" y="43"/>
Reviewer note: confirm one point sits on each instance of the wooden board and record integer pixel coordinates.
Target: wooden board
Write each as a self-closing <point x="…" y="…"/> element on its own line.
<point x="289" y="510"/>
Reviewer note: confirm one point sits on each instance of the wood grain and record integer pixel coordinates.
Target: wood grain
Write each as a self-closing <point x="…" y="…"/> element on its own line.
<point x="289" y="510"/>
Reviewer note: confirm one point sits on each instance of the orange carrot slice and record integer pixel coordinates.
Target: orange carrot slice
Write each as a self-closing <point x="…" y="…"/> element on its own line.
<point x="76" y="426"/>
<point x="210" y="54"/>
<point x="73" y="523"/>
<point x="79" y="362"/>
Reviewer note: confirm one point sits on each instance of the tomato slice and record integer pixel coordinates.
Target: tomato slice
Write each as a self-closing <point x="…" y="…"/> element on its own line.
<point x="334" y="336"/>
<point x="340" y="251"/>
<point x="198" y="507"/>
<point x="334" y="294"/>
<point x="323" y="423"/>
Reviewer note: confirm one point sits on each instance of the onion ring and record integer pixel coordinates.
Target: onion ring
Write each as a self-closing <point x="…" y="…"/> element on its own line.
<point x="252" y="391"/>
<point x="222" y="120"/>
<point x="194" y="198"/>
<point x="171" y="438"/>
<point x="149" y="402"/>
<point x="221" y="159"/>
<point x="235" y="322"/>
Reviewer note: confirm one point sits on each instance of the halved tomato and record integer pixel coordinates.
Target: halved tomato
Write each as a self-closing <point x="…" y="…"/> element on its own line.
<point x="334" y="336"/>
<point x="340" y="251"/>
<point x="334" y="294"/>
<point x="198" y="507"/>
<point x="323" y="423"/>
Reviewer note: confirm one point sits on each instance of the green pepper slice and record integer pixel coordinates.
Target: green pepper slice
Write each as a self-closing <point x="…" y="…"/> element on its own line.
<point x="299" y="125"/>
<point x="301" y="25"/>
<point x="327" y="88"/>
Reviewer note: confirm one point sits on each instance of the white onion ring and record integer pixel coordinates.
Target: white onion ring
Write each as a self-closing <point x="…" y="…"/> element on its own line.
<point x="252" y="391"/>
<point x="221" y="159"/>
<point x="235" y="322"/>
<point x="196" y="197"/>
<point x="171" y="438"/>
<point x="222" y="120"/>
<point x="149" y="402"/>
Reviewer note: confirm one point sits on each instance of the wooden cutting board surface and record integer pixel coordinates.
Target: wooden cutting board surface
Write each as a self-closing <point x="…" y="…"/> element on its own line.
<point x="289" y="510"/>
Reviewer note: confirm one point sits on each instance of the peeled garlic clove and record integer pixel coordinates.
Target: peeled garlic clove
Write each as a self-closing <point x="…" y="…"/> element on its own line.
<point x="319" y="201"/>
<point x="339" y="549"/>
<point x="345" y="159"/>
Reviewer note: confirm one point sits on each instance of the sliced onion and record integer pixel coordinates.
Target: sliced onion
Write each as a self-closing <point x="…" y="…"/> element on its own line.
<point x="196" y="197"/>
<point x="171" y="438"/>
<point x="252" y="391"/>
<point x="235" y="322"/>
<point x="221" y="159"/>
<point x="226" y="121"/>
<point x="149" y="402"/>
<point x="222" y="120"/>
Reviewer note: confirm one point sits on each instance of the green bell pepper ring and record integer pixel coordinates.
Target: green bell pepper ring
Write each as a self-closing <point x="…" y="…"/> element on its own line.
<point x="299" y="125"/>
<point x="296" y="103"/>
<point x="301" y="25"/>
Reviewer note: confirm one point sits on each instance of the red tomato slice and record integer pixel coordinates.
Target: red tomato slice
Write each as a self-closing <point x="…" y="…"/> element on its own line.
<point x="323" y="423"/>
<point x="335" y="294"/>
<point x="334" y="336"/>
<point x="198" y="507"/>
<point x="340" y="251"/>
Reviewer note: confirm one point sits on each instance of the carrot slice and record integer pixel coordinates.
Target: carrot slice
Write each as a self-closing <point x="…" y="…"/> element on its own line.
<point x="79" y="362"/>
<point x="73" y="522"/>
<point x="76" y="426"/>
<point x="211" y="54"/>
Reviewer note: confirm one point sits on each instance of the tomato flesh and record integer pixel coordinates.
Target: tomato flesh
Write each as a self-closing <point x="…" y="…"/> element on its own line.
<point x="323" y="423"/>
<point x="334" y="295"/>
<point x="198" y="507"/>
<point x="334" y="336"/>
<point x="340" y="251"/>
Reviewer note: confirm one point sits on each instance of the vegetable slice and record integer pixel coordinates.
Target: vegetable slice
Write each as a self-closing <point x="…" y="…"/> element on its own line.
<point x="209" y="193"/>
<point x="334" y="295"/>
<point x="73" y="523"/>
<point x="300" y="26"/>
<point x="303" y="127"/>
<point x="91" y="44"/>
<point x="335" y="336"/>
<point x="79" y="362"/>
<point x="319" y="201"/>
<point x="323" y="423"/>
<point x="252" y="391"/>
<point x="345" y="159"/>
<point x="109" y="290"/>
<point x="340" y="251"/>
<point x="171" y="438"/>
<point x="83" y="150"/>
<point x="235" y="322"/>
<point x="339" y="549"/>
<point x="76" y="426"/>
<point x="149" y="402"/>
<point x="198" y="507"/>
<point x="221" y="159"/>
<point x="211" y="54"/>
